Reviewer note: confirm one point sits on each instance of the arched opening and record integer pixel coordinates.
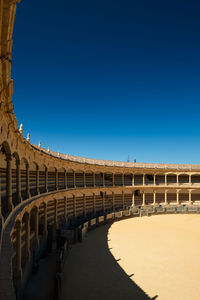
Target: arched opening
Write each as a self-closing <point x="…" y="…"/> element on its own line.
<point x="118" y="179"/>
<point x="108" y="179"/>
<point x="138" y="179"/>
<point x="25" y="183"/>
<point x="183" y="179"/>
<point x="149" y="179"/>
<point x="52" y="179"/>
<point x="172" y="179"/>
<point x="6" y="179"/>
<point x="79" y="177"/>
<point x="128" y="179"/>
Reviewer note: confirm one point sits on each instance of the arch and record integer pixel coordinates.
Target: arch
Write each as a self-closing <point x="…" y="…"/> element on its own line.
<point x="172" y="178"/>
<point x="5" y="149"/>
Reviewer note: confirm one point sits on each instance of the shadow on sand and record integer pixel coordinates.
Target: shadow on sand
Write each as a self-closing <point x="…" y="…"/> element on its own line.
<point x="91" y="272"/>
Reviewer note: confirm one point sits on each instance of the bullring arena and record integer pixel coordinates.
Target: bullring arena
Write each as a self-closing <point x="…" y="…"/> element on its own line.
<point x="150" y="239"/>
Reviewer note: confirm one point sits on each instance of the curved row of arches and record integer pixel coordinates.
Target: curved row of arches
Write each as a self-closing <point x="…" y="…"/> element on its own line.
<point x="22" y="179"/>
<point x="46" y="215"/>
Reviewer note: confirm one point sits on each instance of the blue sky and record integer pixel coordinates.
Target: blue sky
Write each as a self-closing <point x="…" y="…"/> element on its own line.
<point x="110" y="79"/>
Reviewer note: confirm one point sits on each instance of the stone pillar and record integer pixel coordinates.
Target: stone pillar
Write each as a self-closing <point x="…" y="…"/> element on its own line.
<point x="177" y="196"/>
<point x="165" y="179"/>
<point x="166" y="197"/>
<point x="190" y="197"/>
<point x="56" y="179"/>
<point x="154" y="197"/>
<point x="74" y="205"/>
<point x="103" y="179"/>
<point x="143" y="198"/>
<point x="154" y="179"/>
<point x="132" y="179"/>
<point x="113" y="201"/>
<point x="190" y="179"/>
<point x="123" y="204"/>
<point x="113" y="179"/>
<point x="9" y="184"/>
<point x="94" y="203"/>
<point x="94" y="184"/>
<point x="84" y="181"/>
<point x="28" y="194"/>
<point x="18" y="256"/>
<point x="46" y="180"/>
<point x="143" y="179"/>
<point x="177" y="179"/>
<point x="45" y="232"/>
<point x="36" y="227"/>
<point x="37" y="180"/>
<point x="74" y="178"/>
<point x="27" y="236"/>
<point x="84" y="205"/>
<point x="122" y="179"/>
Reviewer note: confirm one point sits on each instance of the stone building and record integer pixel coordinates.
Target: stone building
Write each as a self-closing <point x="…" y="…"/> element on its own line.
<point x="41" y="189"/>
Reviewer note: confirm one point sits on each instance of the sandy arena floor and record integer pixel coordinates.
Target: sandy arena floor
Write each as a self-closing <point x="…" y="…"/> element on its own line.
<point x="163" y="253"/>
<point x="144" y="258"/>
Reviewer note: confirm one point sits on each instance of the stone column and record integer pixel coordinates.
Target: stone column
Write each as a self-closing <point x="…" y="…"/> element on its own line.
<point x="9" y="184"/>
<point x="94" y="203"/>
<point x="113" y="201"/>
<point x="190" y="179"/>
<point x="123" y="204"/>
<point x="133" y="198"/>
<point x="132" y="179"/>
<point x="45" y="232"/>
<point x="94" y="184"/>
<point x="74" y="178"/>
<point x="84" y="205"/>
<point x="154" y="179"/>
<point x="18" y="182"/>
<point x="143" y="198"/>
<point x="166" y="197"/>
<point x="154" y="197"/>
<point x="190" y="197"/>
<point x="177" y="196"/>
<point x="113" y="179"/>
<point x="37" y="180"/>
<point x="27" y="235"/>
<point x="165" y="179"/>
<point x="36" y="227"/>
<point x="28" y="194"/>
<point x="122" y="179"/>
<point x="56" y="179"/>
<point x="84" y="181"/>
<point x="46" y="180"/>
<point x="177" y="179"/>
<point x="143" y="179"/>
<point x="18" y="256"/>
<point x="74" y="205"/>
